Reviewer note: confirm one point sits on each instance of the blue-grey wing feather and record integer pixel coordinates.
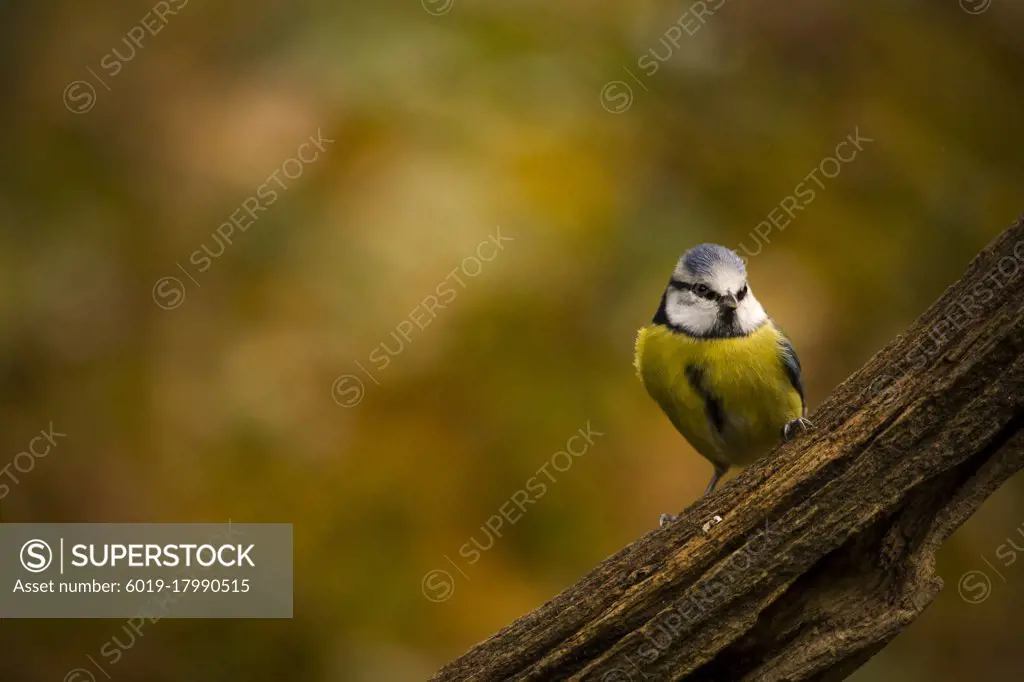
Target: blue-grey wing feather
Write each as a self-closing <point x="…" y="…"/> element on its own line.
<point x="791" y="363"/>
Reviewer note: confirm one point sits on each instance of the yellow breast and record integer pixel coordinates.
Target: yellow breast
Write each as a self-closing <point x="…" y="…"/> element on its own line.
<point x="744" y="376"/>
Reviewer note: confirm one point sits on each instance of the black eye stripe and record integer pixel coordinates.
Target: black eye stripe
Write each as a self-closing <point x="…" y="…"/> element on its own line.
<point x="707" y="292"/>
<point x="704" y="291"/>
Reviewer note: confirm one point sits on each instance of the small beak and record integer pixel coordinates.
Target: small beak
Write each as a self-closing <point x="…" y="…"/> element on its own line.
<point x="728" y="302"/>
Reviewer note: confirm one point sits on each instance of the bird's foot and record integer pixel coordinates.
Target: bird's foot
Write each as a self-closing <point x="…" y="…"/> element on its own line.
<point x="666" y="519"/>
<point x="789" y="430"/>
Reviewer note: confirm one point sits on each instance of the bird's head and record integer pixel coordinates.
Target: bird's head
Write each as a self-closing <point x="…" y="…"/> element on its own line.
<point x="708" y="295"/>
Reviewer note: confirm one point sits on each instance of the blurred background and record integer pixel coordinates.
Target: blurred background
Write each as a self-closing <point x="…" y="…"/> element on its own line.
<point x="447" y="219"/>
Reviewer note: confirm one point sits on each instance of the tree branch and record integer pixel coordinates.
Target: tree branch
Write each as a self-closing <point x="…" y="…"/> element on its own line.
<point x="826" y="550"/>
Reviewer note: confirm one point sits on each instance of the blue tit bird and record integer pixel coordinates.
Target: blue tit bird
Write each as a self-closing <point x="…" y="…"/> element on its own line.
<point x="725" y="375"/>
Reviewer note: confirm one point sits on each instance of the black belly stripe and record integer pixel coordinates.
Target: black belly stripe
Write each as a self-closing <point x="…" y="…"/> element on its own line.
<point x="712" y="406"/>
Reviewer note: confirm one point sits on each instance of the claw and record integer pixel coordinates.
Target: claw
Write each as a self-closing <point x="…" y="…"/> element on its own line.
<point x="802" y="423"/>
<point x="666" y="519"/>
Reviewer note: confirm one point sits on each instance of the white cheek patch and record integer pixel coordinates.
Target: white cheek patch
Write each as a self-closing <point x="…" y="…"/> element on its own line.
<point x="749" y="314"/>
<point x="693" y="314"/>
<point x="699" y="316"/>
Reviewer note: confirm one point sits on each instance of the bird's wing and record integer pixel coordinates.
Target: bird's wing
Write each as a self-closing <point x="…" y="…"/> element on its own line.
<point x="791" y="363"/>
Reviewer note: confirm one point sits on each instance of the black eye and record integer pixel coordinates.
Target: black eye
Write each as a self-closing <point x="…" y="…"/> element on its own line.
<point x="742" y="293"/>
<point x="702" y="290"/>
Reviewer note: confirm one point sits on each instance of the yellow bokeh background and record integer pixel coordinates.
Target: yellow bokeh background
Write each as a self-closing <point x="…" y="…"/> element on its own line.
<point x="450" y="121"/>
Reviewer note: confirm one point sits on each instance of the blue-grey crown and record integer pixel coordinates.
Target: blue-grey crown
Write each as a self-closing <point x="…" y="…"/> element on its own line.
<point x="702" y="259"/>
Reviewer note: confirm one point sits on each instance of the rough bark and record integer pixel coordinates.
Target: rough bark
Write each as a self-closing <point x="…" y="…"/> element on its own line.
<point x="826" y="550"/>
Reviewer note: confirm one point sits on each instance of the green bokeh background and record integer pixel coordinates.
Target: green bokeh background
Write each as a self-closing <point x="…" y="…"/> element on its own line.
<point x="450" y="122"/>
